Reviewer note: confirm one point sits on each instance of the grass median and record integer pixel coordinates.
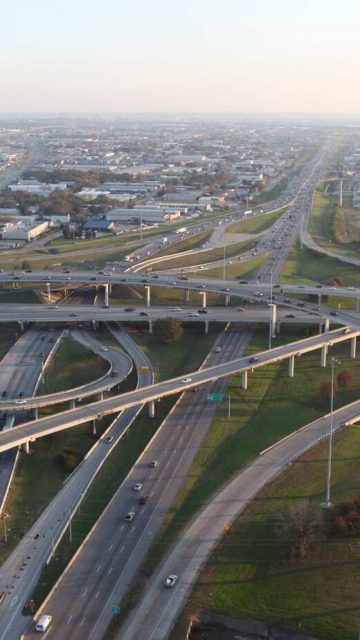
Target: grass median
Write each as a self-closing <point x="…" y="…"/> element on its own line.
<point x="256" y="224"/>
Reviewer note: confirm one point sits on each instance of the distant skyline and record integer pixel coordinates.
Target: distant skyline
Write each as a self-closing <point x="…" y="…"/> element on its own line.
<point x="198" y="56"/>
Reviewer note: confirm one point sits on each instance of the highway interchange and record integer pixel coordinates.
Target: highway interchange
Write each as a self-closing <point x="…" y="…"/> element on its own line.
<point x="189" y="424"/>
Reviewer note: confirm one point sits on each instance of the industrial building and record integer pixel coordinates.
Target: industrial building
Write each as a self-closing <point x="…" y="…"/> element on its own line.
<point x="23" y="231"/>
<point x="143" y="214"/>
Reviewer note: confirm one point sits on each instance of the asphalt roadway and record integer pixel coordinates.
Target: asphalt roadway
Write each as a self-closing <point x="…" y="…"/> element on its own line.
<point x="100" y="575"/>
<point x="159" y="607"/>
<point x="67" y="419"/>
<point x="20" y="572"/>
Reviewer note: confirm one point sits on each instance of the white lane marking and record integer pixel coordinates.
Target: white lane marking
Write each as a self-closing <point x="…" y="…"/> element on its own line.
<point x="132" y="529"/>
<point x="174" y="452"/>
<point x="167" y="464"/>
<point x="181" y="439"/>
<point x="122" y="549"/>
<point x="98" y="569"/>
<point x="13" y="601"/>
<point x="111" y="546"/>
<point x="111" y="570"/>
<point x="82" y="621"/>
<point x="69" y="620"/>
<point x="150" y="477"/>
<point x="151" y="494"/>
<point x="121" y="528"/>
<point x="97" y="594"/>
<point x="84" y="594"/>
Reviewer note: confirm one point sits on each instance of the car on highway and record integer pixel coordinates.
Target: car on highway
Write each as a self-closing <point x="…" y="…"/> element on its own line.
<point x="20" y="401"/>
<point x="289" y="315"/>
<point x="109" y="439"/>
<point x="203" y="311"/>
<point x="130" y="309"/>
<point x="137" y="486"/>
<point x="73" y="315"/>
<point x="253" y="359"/>
<point x="170" y="581"/>
<point x="130" y="516"/>
<point x="193" y="314"/>
<point x="185" y="380"/>
<point x="143" y="313"/>
<point x="143" y="499"/>
<point x="154" y="463"/>
<point x="334" y="313"/>
<point x="175" y="309"/>
<point x="43" y="623"/>
<point x="104" y="349"/>
<point x="53" y="306"/>
<point x="217" y="349"/>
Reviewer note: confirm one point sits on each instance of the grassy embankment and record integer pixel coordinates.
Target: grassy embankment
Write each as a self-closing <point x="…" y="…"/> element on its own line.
<point x="211" y="255"/>
<point x="19" y="297"/>
<point x="256" y="224"/>
<point x="183" y="359"/>
<point x="335" y="229"/>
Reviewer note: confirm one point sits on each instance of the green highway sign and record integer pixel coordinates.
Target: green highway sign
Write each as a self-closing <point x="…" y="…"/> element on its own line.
<point x="217" y="397"/>
<point x="115" y="609"/>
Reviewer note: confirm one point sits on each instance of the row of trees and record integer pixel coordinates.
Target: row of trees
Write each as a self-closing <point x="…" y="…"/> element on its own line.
<point x="343" y="381"/>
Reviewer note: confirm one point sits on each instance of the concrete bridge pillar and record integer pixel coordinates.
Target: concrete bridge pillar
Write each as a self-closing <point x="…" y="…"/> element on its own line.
<point x="152" y="409"/>
<point x="203" y="302"/>
<point x="35" y="413"/>
<point x="187" y="295"/>
<point x="21" y="325"/>
<point x="26" y="447"/>
<point x="320" y="327"/>
<point x="110" y="288"/>
<point x="278" y="327"/>
<point x="323" y="355"/>
<point x="319" y="299"/>
<point x="147" y="289"/>
<point x="353" y="347"/>
<point x="48" y="291"/>
<point x="94" y="324"/>
<point x="106" y="292"/>
<point x="94" y="427"/>
<point x="227" y="300"/>
<point x="291" y="366"/>
<point x="273" y="310"/>
<point x="206" y="325"/>
<point x="101" y="396"/>
<point x="150" y="326"/>
<point x="72" y="403"/>
<point x="326" y="325"/>
<point x="244" y="380"/>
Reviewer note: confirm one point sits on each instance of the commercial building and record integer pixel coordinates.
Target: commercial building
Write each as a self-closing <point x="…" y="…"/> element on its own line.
<point x="23" y="231"/>
<point x="143" y="214"/>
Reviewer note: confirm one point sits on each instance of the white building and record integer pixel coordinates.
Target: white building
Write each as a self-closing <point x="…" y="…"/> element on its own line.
<point x="23" y="230"/>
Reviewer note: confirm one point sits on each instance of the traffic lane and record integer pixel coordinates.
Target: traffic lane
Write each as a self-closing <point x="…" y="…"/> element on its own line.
<point x="182" y="418"/>
<point x="67" y="419"/>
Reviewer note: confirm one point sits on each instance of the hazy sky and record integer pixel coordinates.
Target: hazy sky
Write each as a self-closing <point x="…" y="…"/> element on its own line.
<point x="180" y="55"/>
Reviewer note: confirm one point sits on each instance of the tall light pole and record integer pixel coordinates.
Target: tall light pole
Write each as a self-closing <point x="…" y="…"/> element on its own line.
<point x="271" y="308"/>
<point x="224" y="265"/>
<point x="327" y="502"/>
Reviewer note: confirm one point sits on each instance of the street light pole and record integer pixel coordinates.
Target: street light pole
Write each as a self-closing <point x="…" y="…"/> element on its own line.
<point x="327" y="502"/>
<point x="271" y="309"/>
<point x="229" y="406"/>
<point x="224" y="265"/>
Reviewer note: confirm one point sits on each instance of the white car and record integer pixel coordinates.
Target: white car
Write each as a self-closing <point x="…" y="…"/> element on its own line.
<point x="20" y="401"/>
<point x="104" y="349"/>
<point x="193" y="314"/>
<point x="185" y="380"/>
<point x="170" y="581"/>
<point x="175" y="309"/>
<point x="137" y="486"/>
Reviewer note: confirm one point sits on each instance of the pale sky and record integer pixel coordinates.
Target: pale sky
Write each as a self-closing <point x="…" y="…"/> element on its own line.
<point x="240" y="56"/>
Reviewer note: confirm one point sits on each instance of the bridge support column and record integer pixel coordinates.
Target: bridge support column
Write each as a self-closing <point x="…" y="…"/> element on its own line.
<point x="323" y="355"/>
<point x="319" y="299"/>
<point x="244" y="380"/>
<point x="94" y="324"/>
<point x="26" y="447"/>
<point x="278" y="327"/>
<point x="72" y="403"/>
<point x="320" y="327"/>
<point x="106" y="295"/>
<point x="203" y="301"/>
<point x="147" y="289"/>
<point x="227" y="300"/>
<point x="21" y="325"/>
<point x="206" y="325"/>
<point x="152" y="409"/>
<point x="101" y="396"/>
<point x="150" y="326"/>
<point x="291" y="366"/>
<point x="110" y="288"/>
<point x="326" y="325"/>
<point x="48" y="291"/>
<point x="94" y="427"/>
<point x="187" y="295"/>
<point x="273" y="310"/>
<point x="353" y="347"/>
<point x="35" y="413"/>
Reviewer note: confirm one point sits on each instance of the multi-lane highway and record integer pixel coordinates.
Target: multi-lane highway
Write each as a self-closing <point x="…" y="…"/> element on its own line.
<point x="51" y="424"/>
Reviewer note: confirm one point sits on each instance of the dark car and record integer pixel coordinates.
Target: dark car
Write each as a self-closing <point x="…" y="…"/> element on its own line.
<point x="202" y="311"/>
<point x="129" y="309"/>
<point x="253" y="359"/>
<point x="334" y="313"/>
<point x="4" y="393"/>
<point x="143" y="499"/>
<point x="143" y="313"/>
<point x="289" y="315"/>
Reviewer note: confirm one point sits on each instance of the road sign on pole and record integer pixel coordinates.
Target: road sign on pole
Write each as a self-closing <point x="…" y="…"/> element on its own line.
<point x="115" y="609"/>
<point x="216" y="397"/>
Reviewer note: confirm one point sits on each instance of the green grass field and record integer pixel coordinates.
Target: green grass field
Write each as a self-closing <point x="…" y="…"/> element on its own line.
<point x="238" y="269"/>
<point x="20" y="297"/>
<point x="194" y="242"/>
<point x="9" y="333"/>
<point x="257" y="224"/>
<point x="249" y="577"/>
<point x="205" y="256"/>
<point x="333" y="228"/>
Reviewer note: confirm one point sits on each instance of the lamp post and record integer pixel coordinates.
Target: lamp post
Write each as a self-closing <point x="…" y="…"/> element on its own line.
<point x="271" y="309"/>
<point x="327" y="502"/>
<point x="4" y="516"/>
<point x="224" y="265"/>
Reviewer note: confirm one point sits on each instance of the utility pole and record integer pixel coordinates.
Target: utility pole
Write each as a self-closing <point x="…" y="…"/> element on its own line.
<point x="229" y="406"/>
<point x="224" y="265"/>
<point x="327" y="502"/>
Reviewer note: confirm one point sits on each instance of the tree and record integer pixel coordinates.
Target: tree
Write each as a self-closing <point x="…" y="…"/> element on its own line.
<point x="168" y="330"/>
<point x="344" y="378"/>
<point x="299" y="527"/>
<point x="325" y="389"/>
<point x="25" y="264"/>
